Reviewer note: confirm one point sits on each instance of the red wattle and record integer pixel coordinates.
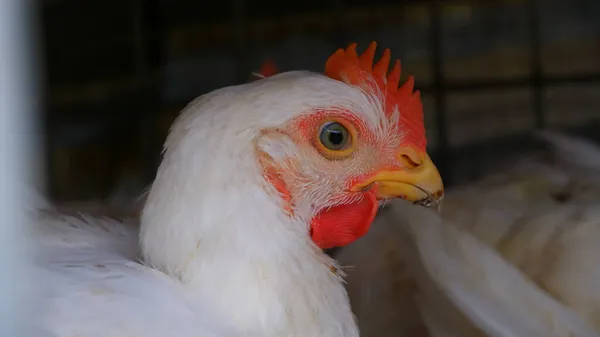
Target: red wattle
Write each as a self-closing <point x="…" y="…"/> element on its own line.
<point x="343" y="224"/>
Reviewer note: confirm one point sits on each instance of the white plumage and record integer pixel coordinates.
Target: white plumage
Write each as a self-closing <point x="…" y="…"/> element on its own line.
<point x="221" y="257"/>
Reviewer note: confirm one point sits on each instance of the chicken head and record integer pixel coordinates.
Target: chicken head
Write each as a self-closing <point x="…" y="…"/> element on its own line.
<point x="333" y="166"/>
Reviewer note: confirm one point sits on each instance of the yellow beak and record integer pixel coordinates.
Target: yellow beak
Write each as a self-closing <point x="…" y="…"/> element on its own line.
<point x="420" y="183"/>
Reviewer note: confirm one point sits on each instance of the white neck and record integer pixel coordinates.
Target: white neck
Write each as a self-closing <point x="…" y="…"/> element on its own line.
<point x="234" y="248"/>
<point x="210" y="221"/>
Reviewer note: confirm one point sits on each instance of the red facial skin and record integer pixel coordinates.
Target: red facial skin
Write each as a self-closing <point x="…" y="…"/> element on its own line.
<point x="351" y="213"/>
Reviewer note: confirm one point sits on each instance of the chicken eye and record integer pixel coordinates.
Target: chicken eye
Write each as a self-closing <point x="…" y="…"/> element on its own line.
<point x="334" y="136"/>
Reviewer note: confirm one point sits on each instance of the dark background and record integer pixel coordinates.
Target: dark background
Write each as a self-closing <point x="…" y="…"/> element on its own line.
<point x="118" y="71"/>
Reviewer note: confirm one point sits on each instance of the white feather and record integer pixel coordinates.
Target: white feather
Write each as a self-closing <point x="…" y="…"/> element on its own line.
<point x="487" y="289"/>
<point x="221" y="258"/>
<point x="576" y="151"/>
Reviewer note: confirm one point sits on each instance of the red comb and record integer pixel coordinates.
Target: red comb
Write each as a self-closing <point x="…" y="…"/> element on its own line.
<point x="268" y="68"/>
<point x="348" y="67"/>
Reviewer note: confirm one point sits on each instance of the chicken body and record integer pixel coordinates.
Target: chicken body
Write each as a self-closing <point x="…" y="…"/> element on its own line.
<point x="543" y="219"/>
<point x="220" y="256"/>
<point x="92" y="284"/>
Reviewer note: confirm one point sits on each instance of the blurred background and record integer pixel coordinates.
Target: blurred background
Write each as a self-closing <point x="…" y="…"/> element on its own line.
<point x="117" y="72"/>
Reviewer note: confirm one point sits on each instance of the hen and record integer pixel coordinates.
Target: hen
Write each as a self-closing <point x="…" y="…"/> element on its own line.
<point x="255" y="181"/>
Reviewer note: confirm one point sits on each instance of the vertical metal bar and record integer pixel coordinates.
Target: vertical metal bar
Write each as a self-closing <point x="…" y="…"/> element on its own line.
<point x="536" y="64"/>
<point x="126" y="128"/>
<point x="338" y="9"/>
<point x="147" y="37"/>
<point x="139" y="39"/>
<point x="148" y="56"/>
<point x="439" y="89"/>
<point x="243" y="54"/>
<point x="18" y="104"/>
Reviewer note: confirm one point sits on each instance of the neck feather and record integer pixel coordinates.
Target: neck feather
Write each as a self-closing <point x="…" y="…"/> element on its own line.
<point x="233" y="247"/>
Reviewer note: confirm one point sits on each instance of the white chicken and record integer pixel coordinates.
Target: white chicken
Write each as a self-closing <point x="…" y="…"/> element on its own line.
<point x="255" y="181"/>
<point x="540" y="280"/>
<point x="426" y="276"/>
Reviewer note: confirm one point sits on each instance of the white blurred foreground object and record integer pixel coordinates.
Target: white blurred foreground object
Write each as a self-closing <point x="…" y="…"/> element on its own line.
<point x="18" y="99"/>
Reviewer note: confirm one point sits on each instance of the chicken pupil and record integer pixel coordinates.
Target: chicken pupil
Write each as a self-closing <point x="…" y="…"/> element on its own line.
<point x="336" y="137"/>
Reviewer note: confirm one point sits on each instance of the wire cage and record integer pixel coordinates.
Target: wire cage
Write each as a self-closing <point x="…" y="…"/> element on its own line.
<point x="490" y="72"/>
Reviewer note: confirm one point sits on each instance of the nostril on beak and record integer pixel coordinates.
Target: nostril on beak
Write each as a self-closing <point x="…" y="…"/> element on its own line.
<point x="407" y="161"/>
<point x="410" y="159"/>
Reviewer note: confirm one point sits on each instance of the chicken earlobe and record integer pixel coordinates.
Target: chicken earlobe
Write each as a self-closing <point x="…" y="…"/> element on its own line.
<point x="272" y="148"/>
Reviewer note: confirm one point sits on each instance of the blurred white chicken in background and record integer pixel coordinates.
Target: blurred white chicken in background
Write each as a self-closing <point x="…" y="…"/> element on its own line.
<point x="415" y="274"/>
